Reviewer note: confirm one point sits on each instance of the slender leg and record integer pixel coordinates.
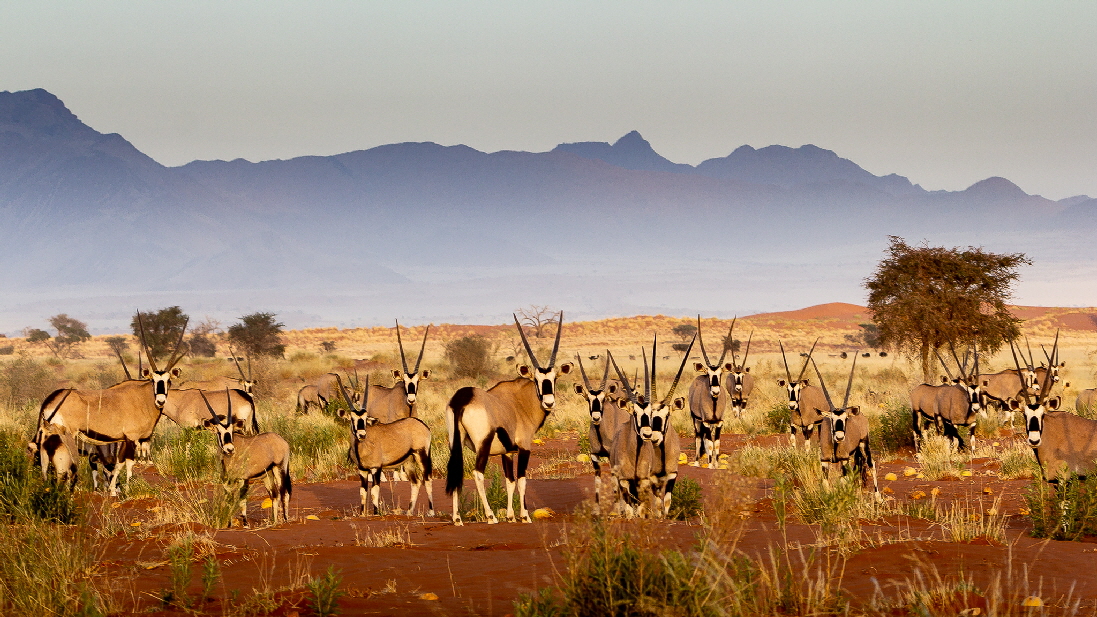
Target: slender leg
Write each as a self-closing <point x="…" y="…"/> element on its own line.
<point x="415" y="486"/>
<point x="375" y="491"/>
<point x="523" y="462"/>
<point x="597" y="483"/>
<point x="363" y="490"/>
<point x="668" y="491"/>
<point x="478" y="476"/>
<point x="508" y="473"/>
<point x="715" y="458"/>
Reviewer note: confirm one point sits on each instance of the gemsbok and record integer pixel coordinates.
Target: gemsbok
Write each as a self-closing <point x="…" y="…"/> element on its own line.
<point x="392" y="404"/>
<point x="606" y="417"/>
<point x="708" y="400"/>
<point x="1087" y="401"/>
<point x="245" y="382"/>
<point x="805" y="401"/>
<point x="957" y="402"/>
<point x="320" y="393"/>
<point x="645" y="452"/>
<point x="187" y="408"/>
<point x="501" y="421"/>
<point x="125" y="411"/>
<point x="740" y="383"/>
<point x="375" y="446"/>
<point x="246" y="457"/>
<point x="1063" y="443"/>
<point x="844" y="437"/>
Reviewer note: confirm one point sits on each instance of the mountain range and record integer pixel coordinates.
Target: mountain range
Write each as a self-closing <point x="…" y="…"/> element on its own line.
<point x="422" y="231"/>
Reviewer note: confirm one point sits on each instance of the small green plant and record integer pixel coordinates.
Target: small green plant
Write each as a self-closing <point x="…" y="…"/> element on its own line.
<point x="779" y="418"/>
<point x="891" y="430"/>
<point x="325" y="591"/>
<point x="24" y="494"/>
<point x="966" y="522"/>
<point x="687" y="501"/>
<point x="211" y="573"/>
<point x="180" y="556"/>
<point x="471" y="356"/>
<point x="187" y="454"/>
<point x="940" y="459"/>
<point x="1067" y="511"/>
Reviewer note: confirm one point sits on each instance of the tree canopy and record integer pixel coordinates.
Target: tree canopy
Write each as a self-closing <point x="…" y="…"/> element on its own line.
<point x="924" y="298"/>
<point x="258" y="334"/>
<point x="70" y="332"/>
<point x="162" y="329"/>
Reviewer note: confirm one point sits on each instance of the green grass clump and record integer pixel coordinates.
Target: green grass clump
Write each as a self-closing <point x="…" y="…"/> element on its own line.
<point x="325" y="593"/>
<point x="687" y="501"/>
<point x="186" y="454"/>
<point x="778" y="418"/>
<point x="1067" y="511"/>
<point x="1017" y="461"/>
<point x="24" y="494"/>
<point x="891" y="430"/>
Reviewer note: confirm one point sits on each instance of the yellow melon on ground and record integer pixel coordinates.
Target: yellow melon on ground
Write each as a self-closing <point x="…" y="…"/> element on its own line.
<point x="542" y="513"/>
<point x="890" y="477"/>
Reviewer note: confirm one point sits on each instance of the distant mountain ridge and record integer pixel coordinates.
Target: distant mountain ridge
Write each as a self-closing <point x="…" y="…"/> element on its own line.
<point x="86" y="210"/>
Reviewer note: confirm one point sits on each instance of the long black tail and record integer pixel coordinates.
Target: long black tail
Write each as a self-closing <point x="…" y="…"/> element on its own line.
<point x="455" y="470"/>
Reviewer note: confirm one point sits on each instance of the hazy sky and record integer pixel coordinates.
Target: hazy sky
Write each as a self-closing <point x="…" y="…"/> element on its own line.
<point x="946" y="93"/>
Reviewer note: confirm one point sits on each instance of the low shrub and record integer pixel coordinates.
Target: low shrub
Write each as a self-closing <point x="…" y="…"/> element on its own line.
<point x="687" y="501"/>
<point x="24" y="494"/>
<point x="891" y="430"/>
<point x="1067" y="511"/>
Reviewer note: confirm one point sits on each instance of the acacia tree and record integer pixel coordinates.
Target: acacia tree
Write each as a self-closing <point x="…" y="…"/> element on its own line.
<point x="162" y="329"/>
<point x="258" y="334"/>
<point x="70" y="332"/>
<point x="924" y="298"/>
<point x="537" y="317"/>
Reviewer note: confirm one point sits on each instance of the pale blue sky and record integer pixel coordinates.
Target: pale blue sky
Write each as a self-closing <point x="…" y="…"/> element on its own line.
<point x="946" y="93"/>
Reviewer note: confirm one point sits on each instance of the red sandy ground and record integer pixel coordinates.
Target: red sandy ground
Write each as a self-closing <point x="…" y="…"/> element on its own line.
<point x="481" y="569"/>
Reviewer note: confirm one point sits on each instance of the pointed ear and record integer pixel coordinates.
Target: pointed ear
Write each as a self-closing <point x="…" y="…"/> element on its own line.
<point x="640" y="400"/>
<point x="397" y="375"/>
<point x="781" y="382"/>
<point x="342" y="413"/>
<point x="728" y="366"/>
<point x="175" y="372"/>
<point x="1053" y="403"/>
<point x="523" y="370"/>
<point x="806" y="382"/>
<point x="679" y="403"/>
<point x="612" y="388"/>
<point x="944" y="379"/>
<point x="565" y="368"/>
<point x="1062" y="364"/>
<point x="145" y="373"/>
<point x="579" y="389"/>
<point x="206" y="423"/>
<point x="986" y="383"/>
<point x="239" y="424"/>
<point x="697" y="366"/>
<point x="855" y="410"/>
<point x="1014" y="405"/>
<point x="425" y="373"/>
<point x="746" y="370"/>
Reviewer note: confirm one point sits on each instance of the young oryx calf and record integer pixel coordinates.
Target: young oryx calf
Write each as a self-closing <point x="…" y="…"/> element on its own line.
<point x="246" y="457"/>
<point x="387" y="445"/>
<point x="843" y="436"/>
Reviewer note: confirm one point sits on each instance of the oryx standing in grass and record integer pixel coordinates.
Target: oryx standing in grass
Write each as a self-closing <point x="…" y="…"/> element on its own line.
<point x="246" y="457"/>
<point x="501" y="421"/>
<point x="188" y="409"/>
<point x="606" y="417"/>
<point x="708" y="400"/>
<point x="805" y="402"/>
<point x="124" y="411"/>
<point x="1087" y="401"/>
<point x="844" y="436"/>
<point x="740" y="383"/>
<point x="320" y="393"/>
<point x="645" y="452"/>
<point x="375" y="446"/>
<point x="1063" y="443"/>
<point x="391" y="404"/>
<point x="961" y="403"/>
<point x="216" y="384"/>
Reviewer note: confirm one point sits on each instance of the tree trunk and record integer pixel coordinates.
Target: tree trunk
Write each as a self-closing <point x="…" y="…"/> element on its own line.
<point x="926" y="367"/>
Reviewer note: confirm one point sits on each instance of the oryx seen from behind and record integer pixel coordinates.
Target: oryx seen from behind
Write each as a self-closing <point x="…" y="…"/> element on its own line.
<point x="246" y="457"/>
<point x="844" y="437"/>
<point x="187" y="408"/>
<point x="958" y="402"/>
<point x="501" y="421"/>
<point x="320" y="393"/>
<point x="375" y="446"/>
<point x="606" y="417"/>
<point x="740" y="383"/>
<point x="645" y="452"/>
<point x="124" y="411"/>
<point x="708" y="400"/>
<point x="805" y="402"/>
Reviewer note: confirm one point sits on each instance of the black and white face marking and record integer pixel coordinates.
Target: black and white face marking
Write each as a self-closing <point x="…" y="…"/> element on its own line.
<point x="660" y="419"/>
<point x="1034" y="417"/>
<point x="411" y="383"/>
<point x="737" y="374"/>
<point x="161" y="383"/>
<point x="596" y="401"/>
<point x="358" y="422"/>
<point x="545" y="379"/>
<point x="792" y="388"/>
<point x="714" y="373"/>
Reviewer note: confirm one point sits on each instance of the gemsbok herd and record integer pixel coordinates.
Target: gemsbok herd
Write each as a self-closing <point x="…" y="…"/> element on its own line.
<point x="630" y="431"/>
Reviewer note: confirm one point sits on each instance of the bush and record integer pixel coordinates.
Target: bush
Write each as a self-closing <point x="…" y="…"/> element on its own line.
<point x="891" y="430"/>
<point x="1065" y="512"/>
<point x="687" y="500"/>
<point x="24" y="381"/>
<point x="779" y="418"/>
<point x="258" y="334"/>
<point x="470" y="356"/>
<point x="7" y="350"/>
<point x="24" y="494"/>
<point x="162" y="329"/>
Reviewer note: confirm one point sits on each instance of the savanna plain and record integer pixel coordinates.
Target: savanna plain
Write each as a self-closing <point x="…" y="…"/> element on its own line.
<point x="972" y="533"/>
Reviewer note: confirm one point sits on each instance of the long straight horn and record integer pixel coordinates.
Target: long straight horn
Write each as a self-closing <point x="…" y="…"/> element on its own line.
<point x="746" y="354"/>
<point x="727" y="343"/>
<point x="624" y="380"/>
<point x="849" y="384"/>
<point x="422" y="349"/>
<point x="647" y="375"/>
<point x="347" y="397"/>
<point x="212" y="413"/>
<point x="228" y="403"/>
<point x="177" y="354"/>
<point x="365" y="393"/>
<point x="239" y="368"/>
<point x="1024" y="389"/>
<point x="1031" y="359"/>
<point x="605" y="376"/>
<point x="586" y="382"/>
<point x="959" y="365"/>
<point x="144" y="345"/>
<point x="556" y="345"/>
<point x="400" y="342"/>
<point x="525" y="342"/>
<point x="674" y="384"/>
<point x="804" y="368"/>
<point x="788" y="374"/>
<point x="1045" y="390"/>
<point x="653" y="387"/>
<point x="944" y="364"/>
<point x="702" y="339"/>
<point x="822" y="384"/>
<point x="976" y="368"/>
<point x="731" y="341"/>
<point x="124" y="367"/>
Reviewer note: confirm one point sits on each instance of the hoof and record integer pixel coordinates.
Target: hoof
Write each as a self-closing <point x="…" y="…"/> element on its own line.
<point x="527" y="519"/>
<point x="492" y="520"/>
<point x="458" y="522"/>
<point x="510" y="519"/>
